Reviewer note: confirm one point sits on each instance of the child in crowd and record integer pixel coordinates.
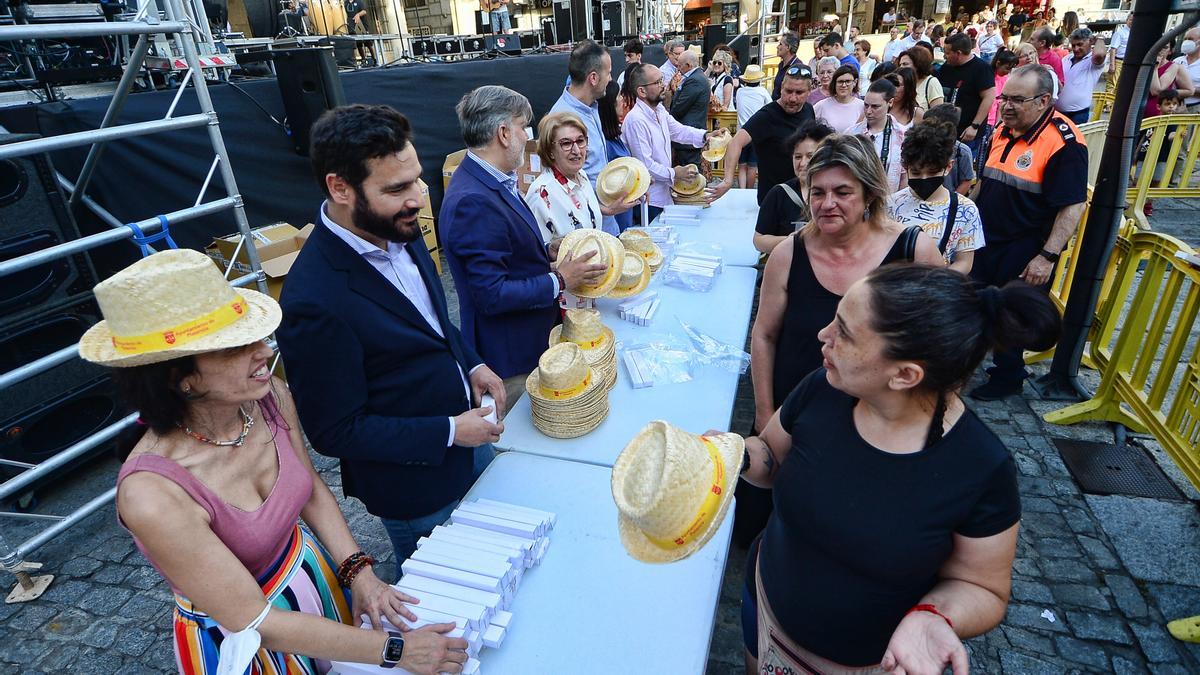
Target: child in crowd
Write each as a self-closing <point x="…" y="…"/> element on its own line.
<point x="1169" y="103"/>
<point x="962" y="170"/>
<point x="950" y="218"/>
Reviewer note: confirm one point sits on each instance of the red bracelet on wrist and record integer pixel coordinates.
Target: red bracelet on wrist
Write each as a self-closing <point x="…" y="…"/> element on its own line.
<point x="932" y="609"/>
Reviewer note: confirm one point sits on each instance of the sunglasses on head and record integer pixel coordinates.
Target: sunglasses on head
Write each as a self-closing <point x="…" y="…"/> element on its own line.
<point x="798" y="70"/>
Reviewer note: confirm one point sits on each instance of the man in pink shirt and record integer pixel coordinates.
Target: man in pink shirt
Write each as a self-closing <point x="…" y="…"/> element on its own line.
<point x="648" y="131"/>
<point x="1043" y="41"/>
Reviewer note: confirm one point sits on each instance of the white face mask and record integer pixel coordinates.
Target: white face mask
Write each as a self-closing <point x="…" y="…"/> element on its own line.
<point x="1188" y="47"/>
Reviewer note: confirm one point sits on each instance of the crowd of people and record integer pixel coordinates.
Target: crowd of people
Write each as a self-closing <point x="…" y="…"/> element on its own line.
<point x="910" y="220"/>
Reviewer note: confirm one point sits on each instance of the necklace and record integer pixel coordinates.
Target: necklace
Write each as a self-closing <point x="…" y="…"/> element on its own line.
<point x="247" y="424"/>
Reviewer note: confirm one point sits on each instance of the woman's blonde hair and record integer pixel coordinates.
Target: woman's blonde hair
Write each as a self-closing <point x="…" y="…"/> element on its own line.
<point x="857" y="155"/>
<point x="722" y="58"/>
<point x="1028" y="50"/>
<point x="548" y="127"/>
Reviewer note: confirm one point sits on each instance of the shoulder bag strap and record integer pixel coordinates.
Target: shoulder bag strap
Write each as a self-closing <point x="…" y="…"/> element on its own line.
<point x="950" y="216"/>
<point x="910" y="235"/>
<point x="792" y="194"/>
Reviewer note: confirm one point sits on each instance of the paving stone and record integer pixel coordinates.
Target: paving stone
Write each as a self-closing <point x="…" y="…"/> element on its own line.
<point x="1169" y="669"/>
<point x="66" y="592"/>
<point x="1127" y="594"/>
<point x="1068" y="570"/>
<point x="1157" y="644"/>
<point x="31" y="618"/>
<point x="1030" y="617"/>
<point x="1085" y="653"/>
<point x="80" y="567"/>
<point x="1015" y="663"/>
<point x="1046" y="523"/>
<point x="1032" y="505"/>
<point x="1080" y="596"/>
<point x="61" y="659"/>
<point x="1079" y="521"/>
<point x="1036" y="486"/>
<point x="1123" y="666"/>
<point x="113" y="574"/>
<point x="1026" y="466"/>
<point x="25" y="652"/>
<point x="104" y="599"/>
<point x="143" y="607"/>
<point x="1031" y="591"/>
<point x="145" y="578"/>
<point x="134" y="641"/>
<point x="1055" y="547"/>
<point x="1096" y="627"/>
<point x="1099" y="553"/>
<point x="97" y="661"/>
<point x="1175" y="601"/>
<point x="101" y="635"/>
<point x="1028" y="640"/>
<point x="1026" y="567"/>
<point x="1157" y="540"/>
<point x="68" y="625"/>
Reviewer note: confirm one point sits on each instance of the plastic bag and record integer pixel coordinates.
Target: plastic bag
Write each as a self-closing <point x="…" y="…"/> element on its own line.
<point x="662" y="359"/>
<point x="694" y="266"/>
<point x="710" y="351"/>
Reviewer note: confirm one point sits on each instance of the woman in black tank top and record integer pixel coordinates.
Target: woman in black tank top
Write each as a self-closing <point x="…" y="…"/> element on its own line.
<point x="848" y="237"/>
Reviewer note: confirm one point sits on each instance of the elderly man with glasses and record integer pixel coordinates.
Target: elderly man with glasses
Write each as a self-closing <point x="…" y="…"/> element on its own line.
<point x="1032" y="193"/>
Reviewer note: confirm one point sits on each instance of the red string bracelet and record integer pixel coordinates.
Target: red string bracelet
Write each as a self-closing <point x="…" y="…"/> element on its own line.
<point x="932" y="609"/>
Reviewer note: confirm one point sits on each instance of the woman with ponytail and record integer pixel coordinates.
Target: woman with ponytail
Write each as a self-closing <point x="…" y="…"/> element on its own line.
<point x="896" y="508"/>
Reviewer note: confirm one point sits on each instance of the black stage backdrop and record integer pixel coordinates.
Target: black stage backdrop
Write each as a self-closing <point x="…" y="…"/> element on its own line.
<point x="140" y="177"/>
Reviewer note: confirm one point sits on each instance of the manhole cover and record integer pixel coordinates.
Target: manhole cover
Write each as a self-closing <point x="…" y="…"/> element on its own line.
<point x="1107" y="469"/>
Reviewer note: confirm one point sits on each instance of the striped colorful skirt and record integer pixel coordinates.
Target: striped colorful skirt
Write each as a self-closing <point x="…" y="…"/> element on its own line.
<point x="302" y="579"/>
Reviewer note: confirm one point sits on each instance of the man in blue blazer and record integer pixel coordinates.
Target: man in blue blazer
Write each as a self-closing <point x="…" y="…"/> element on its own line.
<point x="508" y="292"/>
<point x="382" y="379"/>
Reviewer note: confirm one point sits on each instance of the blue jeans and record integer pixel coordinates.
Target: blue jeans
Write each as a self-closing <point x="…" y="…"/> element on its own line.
<point x="405" y="533"/>
<point x="1079" y="116"/>
<point x="500" y="22"/>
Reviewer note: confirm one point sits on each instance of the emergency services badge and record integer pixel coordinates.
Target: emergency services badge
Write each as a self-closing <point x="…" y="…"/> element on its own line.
<point x="1025" y="160"/>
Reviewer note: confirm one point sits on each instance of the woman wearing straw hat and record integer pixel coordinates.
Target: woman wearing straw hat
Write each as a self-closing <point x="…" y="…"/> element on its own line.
<point x="916" y="553"/>
<point x="848" y="236"/>
<point x="562" y="197"/>
<point x="213" y="489"/>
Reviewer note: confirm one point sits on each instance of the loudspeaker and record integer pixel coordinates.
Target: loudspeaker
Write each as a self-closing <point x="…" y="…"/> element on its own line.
<point x="34" y="216"/>
<point x="549" y="30"/>
<point x="531" y="39"/>
<point x="344" y="47"/>
<point x="45" y="414"/>
<point x="483" y="22"/>
<point x="713" y="36"/>
<point x="612" y="18"/>
<point x="562" y="23"/>
<point x="449" y="45"/>
<point x="504" y="44"/>
<point x="309" y="84"/>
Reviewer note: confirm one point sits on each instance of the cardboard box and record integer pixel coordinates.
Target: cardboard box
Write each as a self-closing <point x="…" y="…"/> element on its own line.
<point x="277" y="246"/>
<point x="525" y="175"/>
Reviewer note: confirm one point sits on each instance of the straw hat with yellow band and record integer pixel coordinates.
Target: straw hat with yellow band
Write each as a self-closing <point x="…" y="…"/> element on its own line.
<point x="584" y="328"/>
<point x="635" y="277"/>
<point x="687" y="188"/>
<point x="753" y="73"/>
<point x="620" y="176"/>
<point x="637" y="241"/>
<point x="609" y="251"/>
<point x="171" y="304"/>
<point x="672" y="490"/>
<point x="567" y="397"/>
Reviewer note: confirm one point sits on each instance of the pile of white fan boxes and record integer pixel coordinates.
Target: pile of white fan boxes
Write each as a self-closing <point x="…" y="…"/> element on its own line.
<point x="468" y="571"/>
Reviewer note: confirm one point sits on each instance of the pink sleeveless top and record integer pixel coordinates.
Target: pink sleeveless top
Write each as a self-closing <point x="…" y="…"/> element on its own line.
<point x="256" y="537"/>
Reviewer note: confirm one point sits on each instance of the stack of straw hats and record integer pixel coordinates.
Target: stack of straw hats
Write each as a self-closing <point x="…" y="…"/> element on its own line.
<point x="672" y="490"/>
<point x="623" y="175"/>
<point x="609" y="251"/>
<point x="584" y="328"/>
<point x="635" y="277"/>
<point x="637" y="241"/>
<point x="689" y="192"/>
<point x="568" y="399"/>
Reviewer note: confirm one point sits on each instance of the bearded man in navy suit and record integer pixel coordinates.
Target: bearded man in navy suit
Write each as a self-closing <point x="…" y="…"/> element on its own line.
<point x="382" y="379"/>
<point x="508" y="292"/>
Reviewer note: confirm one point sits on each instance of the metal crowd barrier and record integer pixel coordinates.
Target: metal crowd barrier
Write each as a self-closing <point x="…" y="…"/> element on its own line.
<point x="1177" y="177"/>
<point x="1151" y="312"/>
<point x="729" y="120"/>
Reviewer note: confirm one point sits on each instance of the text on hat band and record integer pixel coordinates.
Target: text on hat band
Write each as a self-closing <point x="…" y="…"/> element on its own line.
<point x="708" y="509"/>
<point x="183" y="333"/>
<point x="570" y="391"/>
<point x="590" y="344"/>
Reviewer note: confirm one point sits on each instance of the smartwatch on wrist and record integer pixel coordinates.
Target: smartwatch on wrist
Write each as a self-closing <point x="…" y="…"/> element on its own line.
<point x="1052" y="257"/>
<point x="393" y="650"/>
<point x="975" y="126"/>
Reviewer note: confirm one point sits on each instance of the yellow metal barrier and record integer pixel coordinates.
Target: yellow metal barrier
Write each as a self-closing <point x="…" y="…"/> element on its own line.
<point x="728" y="120"/>
<point x="1102" y="103"/>
<point x="770" y="68"/>
<point x="1093" y="136"/>
<point x="1157" y="294"/>
<point x="1177" y="179"/>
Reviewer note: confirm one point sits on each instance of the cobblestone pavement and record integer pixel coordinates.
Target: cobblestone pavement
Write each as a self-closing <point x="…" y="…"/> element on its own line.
<point x="1109" y="570"/>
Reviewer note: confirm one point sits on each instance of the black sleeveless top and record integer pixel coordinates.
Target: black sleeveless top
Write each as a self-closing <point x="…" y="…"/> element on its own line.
<point x="810" y="308"/>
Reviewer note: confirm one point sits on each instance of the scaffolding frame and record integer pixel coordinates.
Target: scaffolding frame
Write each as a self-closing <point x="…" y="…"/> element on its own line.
<point x="185" y="32"/>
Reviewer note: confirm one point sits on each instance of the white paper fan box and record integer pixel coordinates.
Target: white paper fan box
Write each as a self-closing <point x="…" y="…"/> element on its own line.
<point x="467" y="572"/>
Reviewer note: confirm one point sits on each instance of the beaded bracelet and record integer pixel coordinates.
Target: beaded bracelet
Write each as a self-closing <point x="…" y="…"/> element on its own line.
<point x="932" y="609"/>
<point x="351" y="566"/>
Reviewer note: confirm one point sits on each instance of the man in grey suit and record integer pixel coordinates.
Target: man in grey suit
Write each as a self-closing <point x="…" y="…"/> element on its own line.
<point x="690" y="104"/>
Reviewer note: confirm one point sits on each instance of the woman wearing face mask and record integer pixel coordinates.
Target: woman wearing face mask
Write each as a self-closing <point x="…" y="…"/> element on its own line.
<point x="879" y="126"/>
<point x="1190" y="61"/>
<point x="949" y="218"/>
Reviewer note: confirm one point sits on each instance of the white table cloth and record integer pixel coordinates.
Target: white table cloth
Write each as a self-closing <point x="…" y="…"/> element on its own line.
<point x="729" y="223"/>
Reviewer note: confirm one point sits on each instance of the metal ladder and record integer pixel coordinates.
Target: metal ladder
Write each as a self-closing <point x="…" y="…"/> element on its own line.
<point x="766" y="12"/>
<point x="146" y="25"/>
